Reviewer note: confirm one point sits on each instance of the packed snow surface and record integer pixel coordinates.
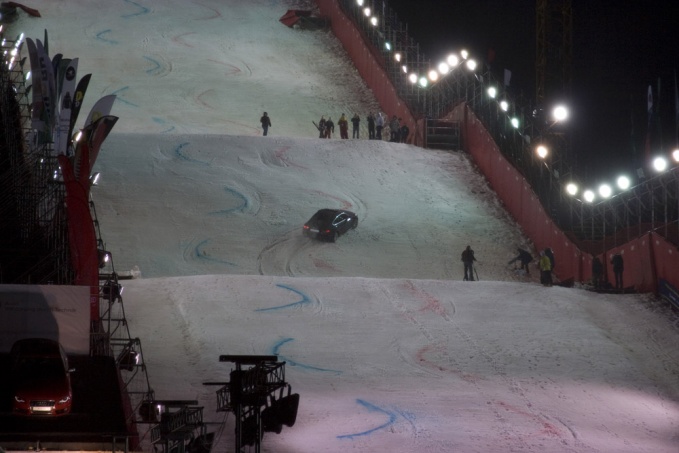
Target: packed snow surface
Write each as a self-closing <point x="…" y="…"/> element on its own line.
<point x="388" y="348"/>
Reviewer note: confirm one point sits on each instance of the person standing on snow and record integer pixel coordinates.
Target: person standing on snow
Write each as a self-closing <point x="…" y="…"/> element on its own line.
<point x="395" y="129"/>
<point x="550" y="254"/>
<point x="545" y="269"/>
<point x="266" y="122"/>
<point x="329" y="128"/>
<point x="355" y="123"/>
<point x="405" y="130"/>
<point x="618" y="267"/>
<point x="468" y="260"/>
<point x="371" y="126"/>
<point x="321" y="127"/>
<point x="379" y="125"/>
<point x="597" y="272"/>
<point x="344" y="126"/>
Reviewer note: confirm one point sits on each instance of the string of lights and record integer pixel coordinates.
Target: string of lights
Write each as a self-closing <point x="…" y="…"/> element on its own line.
<point x="535" y="143"/>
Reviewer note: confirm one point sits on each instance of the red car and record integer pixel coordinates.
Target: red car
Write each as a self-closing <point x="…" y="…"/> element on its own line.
<point x="41" y="380"/>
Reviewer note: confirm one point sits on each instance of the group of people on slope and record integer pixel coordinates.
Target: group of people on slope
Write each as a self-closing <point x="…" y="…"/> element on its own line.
<point x="598" y="280"/>
<point x="524" y="258"/>
<point x="376" y="125"/>
<point x="546" y="264"/>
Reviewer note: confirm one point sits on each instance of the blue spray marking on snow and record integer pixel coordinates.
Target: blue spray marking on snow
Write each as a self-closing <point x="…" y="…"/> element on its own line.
<point x="162" y="123"/>
<point x="276" y="351"/>
<point x="371" y="408"/>
<point x="178" y="152"/>
<point x="143" y="10"/>
<point x="199" y="254"/>
<point x="305" y="299"/>
<point x="119" y="98"/>
<point x="243" y="205"/>
<point x="155" y="70"/>
<point x="101" y="38"/>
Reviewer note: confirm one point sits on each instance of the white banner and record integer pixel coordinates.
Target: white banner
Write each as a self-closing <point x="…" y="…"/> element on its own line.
<point x="57" y="312"/>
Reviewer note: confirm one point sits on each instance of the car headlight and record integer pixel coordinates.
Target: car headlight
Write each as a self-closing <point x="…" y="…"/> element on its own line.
<point x="19" y="399"/>
<point x="65" y="400"/>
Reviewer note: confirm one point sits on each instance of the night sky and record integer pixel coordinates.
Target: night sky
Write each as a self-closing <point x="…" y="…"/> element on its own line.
<point x="619" y="49"/>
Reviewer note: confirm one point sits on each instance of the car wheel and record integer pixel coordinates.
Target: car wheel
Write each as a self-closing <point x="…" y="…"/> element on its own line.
<point x="335" y="235"/>
<point x="355" y="224"/>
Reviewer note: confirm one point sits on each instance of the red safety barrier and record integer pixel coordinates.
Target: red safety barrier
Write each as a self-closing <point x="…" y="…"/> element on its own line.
<point x="648" y="258"/>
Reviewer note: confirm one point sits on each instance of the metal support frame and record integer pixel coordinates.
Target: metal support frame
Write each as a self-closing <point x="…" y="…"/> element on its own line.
<point x="248" y="390"/>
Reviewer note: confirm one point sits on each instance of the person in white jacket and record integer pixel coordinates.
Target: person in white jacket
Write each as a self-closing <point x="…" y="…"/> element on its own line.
<point x="379" y="125"/>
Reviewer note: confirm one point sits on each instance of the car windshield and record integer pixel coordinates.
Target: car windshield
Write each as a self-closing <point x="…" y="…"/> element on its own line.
<point x="325" y="216"/>
<point x="40" y="367"/>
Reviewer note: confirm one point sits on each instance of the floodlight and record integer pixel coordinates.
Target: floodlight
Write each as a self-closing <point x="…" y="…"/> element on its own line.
<point x="492" y="92"/>
<point x="541" y="151"/>
<point x="589" y="196"/>
<point x="359" y="2"/>
<point x="660" y="164"/>
<point x="504" y="105"/>
<point x="471" y="65"/>
<point x="571" y="188"/>
<point x="623" y="182"/>
<point x="405" y="69"/>
<point x="413" y="78"/>
<point x="605" y="190"/>
<point x="675" y="155"/>
<point x="367" y="12"/>
<point x="104" y="258"/>
<point x="373" y="20"/>
<point x="128" y="359"/>
<point x="112" y="290"/>
<point x="464" y="54"/>
<point x="94" y="178"/>
<point x="397" y="56"/>
<point x="423" y="82"/>
<point x="28" y="75"/>
<point x="515" y="122"/>
<point x="149" y="411"/>
<point x="560" y="113"/>
<point x="443" y="68"/>
<point x="452" y="60"/>
<point x="387" y="45"/>
<point x="433" y="75"/>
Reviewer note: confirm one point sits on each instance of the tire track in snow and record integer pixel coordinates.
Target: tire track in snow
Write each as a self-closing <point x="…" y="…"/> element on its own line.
<point x="283" y="252"/>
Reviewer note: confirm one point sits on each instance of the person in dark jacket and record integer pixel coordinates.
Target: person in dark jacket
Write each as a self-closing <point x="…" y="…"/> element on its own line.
<point x="329" y="128"/>
<point x="468" y="260"/>
<point x="321" y="127"/>
<point x="371" y="126"/>
<point x="405" y="130"/>
<point x="355" y="123"/>
<point x="266" y="122"/>
<point x="524" y="258"/>
<point x="618" y="268"/>
<point x="597" y="272"/>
